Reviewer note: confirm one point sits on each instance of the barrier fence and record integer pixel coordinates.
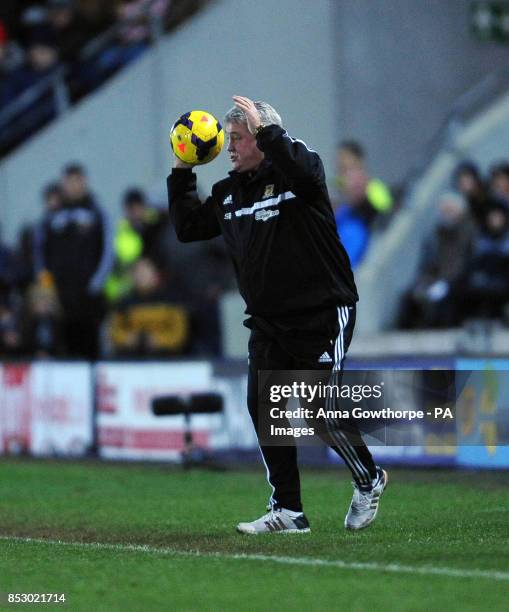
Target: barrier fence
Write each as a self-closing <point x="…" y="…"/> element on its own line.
<point x="78" y="409"/>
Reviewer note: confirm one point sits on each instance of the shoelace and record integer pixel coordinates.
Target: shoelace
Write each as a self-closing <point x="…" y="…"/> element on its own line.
<point x="361" y="499"/>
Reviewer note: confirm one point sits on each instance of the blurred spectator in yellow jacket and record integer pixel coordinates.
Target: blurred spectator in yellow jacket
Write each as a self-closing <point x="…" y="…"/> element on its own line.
<point x="368" y="196"/>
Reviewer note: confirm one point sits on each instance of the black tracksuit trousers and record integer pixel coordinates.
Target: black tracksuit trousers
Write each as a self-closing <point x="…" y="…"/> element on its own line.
<point x="300" y="348"/>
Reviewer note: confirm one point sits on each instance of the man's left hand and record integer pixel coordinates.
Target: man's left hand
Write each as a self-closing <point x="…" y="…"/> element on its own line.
<point x="252" y="115"/>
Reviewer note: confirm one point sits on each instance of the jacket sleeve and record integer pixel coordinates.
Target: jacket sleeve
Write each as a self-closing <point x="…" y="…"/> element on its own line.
<point x="39" y="237"/>
<point x="301" y="166"/>
<point x="107" y="259"/>
<point x="192" y="219"/>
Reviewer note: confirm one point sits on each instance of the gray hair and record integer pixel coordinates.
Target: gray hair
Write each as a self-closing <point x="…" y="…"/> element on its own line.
<point x="268" y="115"/>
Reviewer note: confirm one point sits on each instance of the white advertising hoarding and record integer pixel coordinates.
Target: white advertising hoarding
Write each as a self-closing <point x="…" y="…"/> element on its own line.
<point x="127" y="429"/>
<point x="46" y="408"/>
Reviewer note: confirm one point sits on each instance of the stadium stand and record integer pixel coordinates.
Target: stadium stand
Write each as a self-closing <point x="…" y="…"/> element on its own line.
<point x="64" y="50"/>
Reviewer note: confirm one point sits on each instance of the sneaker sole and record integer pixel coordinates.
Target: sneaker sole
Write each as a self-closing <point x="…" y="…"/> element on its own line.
<point x="283" y="531"/>
<point x="368" y="523"/>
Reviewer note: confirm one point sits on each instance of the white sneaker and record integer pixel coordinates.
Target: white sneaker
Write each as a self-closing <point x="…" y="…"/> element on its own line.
<point x="364" y="506"/>
<point x="277" y="521"/>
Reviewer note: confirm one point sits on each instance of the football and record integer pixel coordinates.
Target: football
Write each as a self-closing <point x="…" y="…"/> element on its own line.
<point x="197" y="137"/>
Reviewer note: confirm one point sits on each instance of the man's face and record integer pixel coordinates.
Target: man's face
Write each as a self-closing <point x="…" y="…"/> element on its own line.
<point x="75" y="185"/>
<point x="42" y="57"/>
<point x="244" y="154"/>
<point x="500" y="184"/>
<point x="346" y="162"/>
<point x="467" y="183"/>
<point x="135" y="212"/>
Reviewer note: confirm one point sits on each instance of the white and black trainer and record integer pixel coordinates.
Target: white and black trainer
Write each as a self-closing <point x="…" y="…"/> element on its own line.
<point x="364" y="506"/>
<point x="277" y="520"/>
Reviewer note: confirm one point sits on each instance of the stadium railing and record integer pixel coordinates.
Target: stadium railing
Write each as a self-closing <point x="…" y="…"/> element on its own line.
<point x="20" y="118"/>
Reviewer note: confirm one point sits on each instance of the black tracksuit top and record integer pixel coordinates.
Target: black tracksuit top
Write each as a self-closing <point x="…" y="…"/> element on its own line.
<point x="278" y="225"/>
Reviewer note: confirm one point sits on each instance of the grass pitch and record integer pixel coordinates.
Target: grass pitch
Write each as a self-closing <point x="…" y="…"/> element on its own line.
<point x="135" y="537"/>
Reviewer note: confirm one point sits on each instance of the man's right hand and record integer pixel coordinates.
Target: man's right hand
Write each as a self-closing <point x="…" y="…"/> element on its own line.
<point x="178" y="163"/>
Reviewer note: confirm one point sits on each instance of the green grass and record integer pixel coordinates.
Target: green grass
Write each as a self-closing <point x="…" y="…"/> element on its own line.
<point x="427" y="518"/>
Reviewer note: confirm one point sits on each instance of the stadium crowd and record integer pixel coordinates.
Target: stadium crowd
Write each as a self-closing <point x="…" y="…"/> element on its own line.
<point x="54" y="52"/>
<point x="75" y="287"/>
<point x="463" y="273"/>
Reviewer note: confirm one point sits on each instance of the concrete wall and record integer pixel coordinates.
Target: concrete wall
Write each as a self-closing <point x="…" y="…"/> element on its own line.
<point x="400" y="64"/>
<point x="279" y="51"/>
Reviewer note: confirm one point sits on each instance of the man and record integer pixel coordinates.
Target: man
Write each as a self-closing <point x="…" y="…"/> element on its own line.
<point x="294" y="275"/>
<point x="140" y="233"/>
<point x="74" y="245"/>
<point x="436" y="297"/>
<point x="369" y="197"/>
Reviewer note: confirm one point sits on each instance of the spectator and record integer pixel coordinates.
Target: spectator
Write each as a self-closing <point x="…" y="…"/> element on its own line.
<point x="436" y="298"/>
<point x="52" y="200"/>
<point x="147" y="221"/>
<point x="369" y="196"/>
<point x="353" y="231"/>
<point x="468" y="181"/>
<point x="42" y="57"/>
<point x="152" y="320"/>
<point x="133" y="22"/>
<point x="487" y="282"/>
<point x="41" y="62"/>
<point x="10" y="335"/>
<point x="499" y="181"/>
<point x="71" y="31"/>
<point x="134" y="19"/>
<point x="75" y="247"/>
<point x="42" y="324"/>
<point x="32" y="19"/>
<point x="139" y="234"/>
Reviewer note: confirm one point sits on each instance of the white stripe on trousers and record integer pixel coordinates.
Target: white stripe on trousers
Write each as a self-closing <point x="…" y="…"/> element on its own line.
<point x="272" y="501"/>
<point x="348" y="452"/>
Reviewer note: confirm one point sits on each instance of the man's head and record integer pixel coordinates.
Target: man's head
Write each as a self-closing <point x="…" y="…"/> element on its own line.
<point x="497" y="222"/>
<point x="451" y="209"/>
<point x="42" y="56"/>
<point x="499" y="179"/>
<point x="350" y="156"/>
<point x="61" y="13"/>
<point x="244" y="154"/>
<point x="74" y="182"/>
<point x="135" y="205"/>
<point x="467" y="179"/>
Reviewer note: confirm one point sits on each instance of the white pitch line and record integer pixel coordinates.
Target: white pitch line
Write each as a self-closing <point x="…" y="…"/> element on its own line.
<point x="309" y="561"/>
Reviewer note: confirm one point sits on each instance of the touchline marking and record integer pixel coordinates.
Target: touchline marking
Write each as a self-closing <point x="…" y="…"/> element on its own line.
<point x="309" y="561"/>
